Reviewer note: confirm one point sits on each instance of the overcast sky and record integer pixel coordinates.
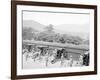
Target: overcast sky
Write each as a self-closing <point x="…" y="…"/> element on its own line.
<point x="56" y="19"/>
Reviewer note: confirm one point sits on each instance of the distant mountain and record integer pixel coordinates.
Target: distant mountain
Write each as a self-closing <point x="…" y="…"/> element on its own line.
<point x="81" y="30"/>
<point x="33" y="24"/>
<point x="71" y="29"/>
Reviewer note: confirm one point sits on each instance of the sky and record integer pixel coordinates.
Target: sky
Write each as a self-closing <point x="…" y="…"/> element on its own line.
<point x="57" y="19"/>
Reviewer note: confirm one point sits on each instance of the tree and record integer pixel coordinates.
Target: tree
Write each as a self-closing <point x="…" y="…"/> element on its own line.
<point x="49" y="28"/>
<point x="74" y="40"/>
<point x="62" y="40"/>
<point x="27" y="33"/>
<point x="86" y="42"/>
<point x="57" y="37"/>
<point x="41" y="36"/>
<point x="47" y="34"/>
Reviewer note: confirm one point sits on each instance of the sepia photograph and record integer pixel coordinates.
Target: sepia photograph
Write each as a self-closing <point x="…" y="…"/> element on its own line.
<point x="55" y="39"/>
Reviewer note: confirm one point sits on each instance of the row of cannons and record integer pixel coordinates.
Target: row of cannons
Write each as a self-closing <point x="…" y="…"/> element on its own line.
<point x="53" y="55"/>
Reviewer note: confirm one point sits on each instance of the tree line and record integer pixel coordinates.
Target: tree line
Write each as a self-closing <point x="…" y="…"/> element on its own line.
<point x="49" y="35"/>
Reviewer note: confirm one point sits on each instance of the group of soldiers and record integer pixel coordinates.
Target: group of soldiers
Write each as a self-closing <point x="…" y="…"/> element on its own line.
<point x="57" y="54"/>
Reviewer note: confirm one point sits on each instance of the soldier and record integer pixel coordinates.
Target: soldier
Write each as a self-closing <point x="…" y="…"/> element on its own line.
<point x="59" y="54"/>
<point x="29" y="48"/>
<point x="86" y="58"/>
<point x="62" y="60"/>
<point x="71" y="61"/>
<point x="46" y="59"/>
<point x="80" y="62"/>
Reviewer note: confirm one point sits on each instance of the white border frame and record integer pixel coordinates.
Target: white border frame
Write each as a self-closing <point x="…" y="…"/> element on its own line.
<point x="21" y="71"/>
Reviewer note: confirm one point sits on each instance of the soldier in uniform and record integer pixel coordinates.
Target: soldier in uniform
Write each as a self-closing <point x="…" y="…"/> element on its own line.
<point x="86" y="58"/>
